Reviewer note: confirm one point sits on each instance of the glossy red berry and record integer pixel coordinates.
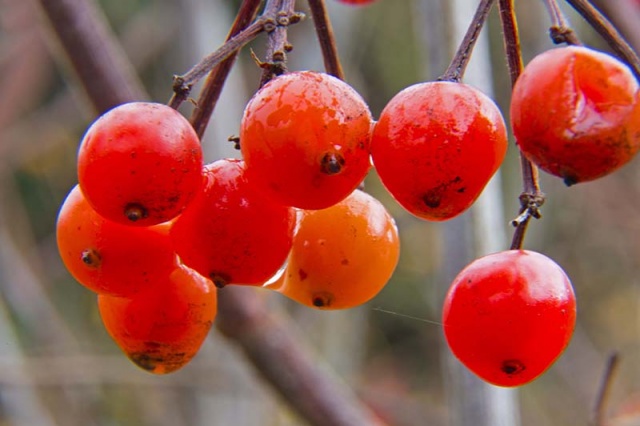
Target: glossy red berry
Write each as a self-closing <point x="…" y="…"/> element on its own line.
<point x="509" y="315"/>
<point x="140" y="163"/>
<point x="436" y="146"/>
<point x="575" y="113"/>
<point x="108" y="257"/>
<point x="230" y="232"/>
<point x="305" y="138"/>
<point x="162" y="329"/>
<point x="342" y="256"/>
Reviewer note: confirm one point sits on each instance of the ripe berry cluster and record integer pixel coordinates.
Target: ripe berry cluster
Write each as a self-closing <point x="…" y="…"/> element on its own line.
<point x="154" y="231"/>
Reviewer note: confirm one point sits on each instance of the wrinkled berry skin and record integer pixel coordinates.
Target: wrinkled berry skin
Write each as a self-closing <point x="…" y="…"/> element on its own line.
<point x="575" y="113"/>
<point x="509" y="315"/>
<point x="436" y="146"/>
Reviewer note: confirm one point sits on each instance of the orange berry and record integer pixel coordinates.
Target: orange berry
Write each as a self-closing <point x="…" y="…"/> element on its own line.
<point x="108" y="257"/>
<point x="342" y="256"/>
<point x="163" y="328"/>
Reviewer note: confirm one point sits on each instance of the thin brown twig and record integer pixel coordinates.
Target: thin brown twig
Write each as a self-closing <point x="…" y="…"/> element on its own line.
<point x="182" y="83"/>
<point x="532" y="197"/>
<point x="459" y="63"/>
<point x="560" y="30"/>
<point x="608" y="32"/>
<point x="214" y="82"/>
<point x="268" y="22"/>
<point x="604" y="389"/>
<point x="327" y="40"/>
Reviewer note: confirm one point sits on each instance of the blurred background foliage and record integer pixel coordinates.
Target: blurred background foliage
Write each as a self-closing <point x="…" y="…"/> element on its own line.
<point x="59" y="367"/>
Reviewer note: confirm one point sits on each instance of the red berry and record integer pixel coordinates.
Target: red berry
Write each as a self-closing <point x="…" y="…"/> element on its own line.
<point x="230" y="232"/>
<point x="140" y="163"/>
<point x="509" y="315"/>
<point x="305" y="138"/>
<point x="163" y="328"/>
<point x="436" y="146"/>
<point x="575" y="113"/>
<point x="108" y="257"/>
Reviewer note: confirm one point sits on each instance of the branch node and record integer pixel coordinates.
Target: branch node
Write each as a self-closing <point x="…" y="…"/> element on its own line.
<point x="530" y="204"/>
<point x="296" y="17"/>
<point x="283" y="18"/>
<point x="269" y="25"/>
<point x="561" y="34"/>
<point x="180" y="87"/>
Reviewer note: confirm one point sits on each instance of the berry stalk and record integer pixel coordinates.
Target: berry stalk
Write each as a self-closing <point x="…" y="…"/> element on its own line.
<point x="532" y="197"/>
<point x="459" y="63"/>
<point x="327" y="40"/>
<point x="560" y="31"/>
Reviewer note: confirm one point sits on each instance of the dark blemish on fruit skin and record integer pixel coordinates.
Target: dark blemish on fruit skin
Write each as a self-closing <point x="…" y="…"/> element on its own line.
<point x="322" y="300"/>
<point x="344" y="262"/>
<point x="91" y="257"/>
<point x="134" y="212"/>
<point x="220" y="279"/>
<point x="332" y="163"/>
<point x="433" y="197"/>
<point x="145" y="361"/>
<point x="512" y="367"/>
<point x="302" y="274"/>
<point x="570" y="180"/>
<point x="150" y="361"/>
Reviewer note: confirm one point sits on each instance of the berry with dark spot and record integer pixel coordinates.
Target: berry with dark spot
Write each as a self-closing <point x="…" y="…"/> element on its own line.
<point x="140" y="164"/>
<point x="162" y="329"/>
<point x="108" y="257"/>
<point x="575" y="113"/>
<point x="509" y="315"/>
<point x="436" y="146"/>
<point x="230" y="232"/>
<point x="305" y="138"/>
<point x="342" y="256"/>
